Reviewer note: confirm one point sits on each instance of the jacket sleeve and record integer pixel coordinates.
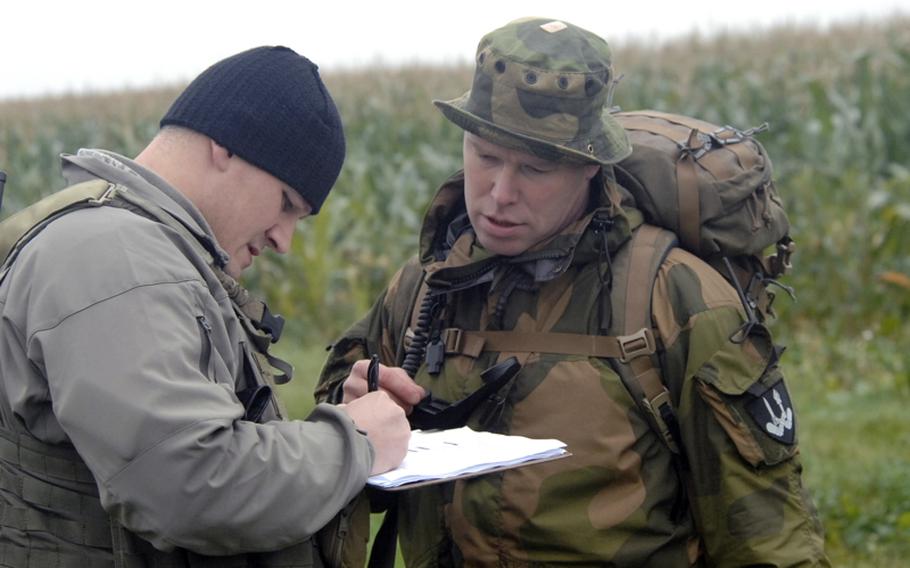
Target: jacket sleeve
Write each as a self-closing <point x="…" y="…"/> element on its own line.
<point x="150" y="403"/>
<point x="737" y="422"/>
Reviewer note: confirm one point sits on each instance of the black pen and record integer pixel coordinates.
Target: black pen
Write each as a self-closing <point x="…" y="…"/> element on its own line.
<point x="373" y="374"/>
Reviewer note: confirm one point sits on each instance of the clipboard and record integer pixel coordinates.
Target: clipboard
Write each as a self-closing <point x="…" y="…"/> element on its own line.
<point x="438" y="456"/>
<point x="493" y="469"/>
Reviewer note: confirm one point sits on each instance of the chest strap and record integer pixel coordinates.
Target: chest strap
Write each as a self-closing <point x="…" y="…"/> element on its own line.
<point x="625" y="348"/>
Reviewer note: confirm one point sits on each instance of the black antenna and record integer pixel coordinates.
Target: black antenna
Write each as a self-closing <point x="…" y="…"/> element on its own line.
<point x="2" y="183"/>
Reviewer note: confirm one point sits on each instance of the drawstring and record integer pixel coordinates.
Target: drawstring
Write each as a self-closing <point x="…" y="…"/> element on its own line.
<point x="511" y="280"/>
<point x="602" y="228"/>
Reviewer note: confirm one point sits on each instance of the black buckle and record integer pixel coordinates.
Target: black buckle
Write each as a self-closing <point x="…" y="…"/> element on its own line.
<point x="780" y="261"/>
<point x="273" y="324"/>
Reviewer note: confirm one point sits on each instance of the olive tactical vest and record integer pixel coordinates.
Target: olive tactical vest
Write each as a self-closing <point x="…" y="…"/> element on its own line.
<point x="51" y="514"/>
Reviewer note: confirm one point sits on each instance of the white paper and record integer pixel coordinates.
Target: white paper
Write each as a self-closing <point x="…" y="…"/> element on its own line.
<point x="444" y="454"/>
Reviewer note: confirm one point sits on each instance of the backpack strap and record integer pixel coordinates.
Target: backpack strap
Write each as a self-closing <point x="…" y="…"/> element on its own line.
<point x="17" y="230"/>
<point x="638" y="263"/>
<point x="624" y="348"/>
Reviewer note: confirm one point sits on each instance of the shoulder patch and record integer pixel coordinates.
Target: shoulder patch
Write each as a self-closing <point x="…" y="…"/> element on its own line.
<point x="773" y="412"/>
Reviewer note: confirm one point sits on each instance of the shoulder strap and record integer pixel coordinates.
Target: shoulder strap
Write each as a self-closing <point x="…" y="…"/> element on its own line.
<point x="17" y="230"/>
<point x="638" y="263"/>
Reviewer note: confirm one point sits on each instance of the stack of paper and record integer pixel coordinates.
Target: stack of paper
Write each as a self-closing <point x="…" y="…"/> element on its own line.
<point x="447" y="454"/>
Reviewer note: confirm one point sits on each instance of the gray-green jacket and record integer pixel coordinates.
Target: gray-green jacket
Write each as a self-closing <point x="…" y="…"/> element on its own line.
<point x="116" y="337"/>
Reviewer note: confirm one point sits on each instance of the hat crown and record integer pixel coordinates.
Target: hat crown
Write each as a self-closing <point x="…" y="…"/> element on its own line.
<point x="550" y="45"/>
<point x="269" y="106"/>
<point x="543" y="85"/>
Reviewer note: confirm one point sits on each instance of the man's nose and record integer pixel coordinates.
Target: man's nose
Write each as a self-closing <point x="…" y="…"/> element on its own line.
<point x="505" y="185"/>
<point x="281" y="234"/>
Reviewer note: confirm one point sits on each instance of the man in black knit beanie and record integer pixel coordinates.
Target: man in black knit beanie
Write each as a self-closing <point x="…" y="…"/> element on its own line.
<point x="136" y="399"/>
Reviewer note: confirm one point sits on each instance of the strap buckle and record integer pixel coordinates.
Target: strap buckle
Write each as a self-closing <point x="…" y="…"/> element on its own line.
<point x="272" y="324"/>
<point x="637" y="344"/>
<point x="106" y="196"/>
<point x="780" y="262"/>
<point x="453" y="338"/>
<point x="661" y="411"/>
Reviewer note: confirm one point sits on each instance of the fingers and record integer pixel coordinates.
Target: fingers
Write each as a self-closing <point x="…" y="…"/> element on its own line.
<point x="393" y="380"/>
<point x="386" y="427"/>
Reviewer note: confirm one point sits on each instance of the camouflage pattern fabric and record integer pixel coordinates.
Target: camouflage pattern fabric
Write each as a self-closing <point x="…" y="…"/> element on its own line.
<point x="543" y="86"/>
<point x="619" y="500"/>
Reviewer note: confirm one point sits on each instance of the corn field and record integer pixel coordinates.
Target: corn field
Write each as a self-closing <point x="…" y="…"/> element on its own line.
<point x="838" y="105"/>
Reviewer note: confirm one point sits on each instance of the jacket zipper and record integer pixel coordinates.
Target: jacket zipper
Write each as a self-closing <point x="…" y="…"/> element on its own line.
<point x="205" y="357"/>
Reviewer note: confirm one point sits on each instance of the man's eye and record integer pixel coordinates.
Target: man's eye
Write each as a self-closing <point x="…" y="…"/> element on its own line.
<point x="286" y="204"/>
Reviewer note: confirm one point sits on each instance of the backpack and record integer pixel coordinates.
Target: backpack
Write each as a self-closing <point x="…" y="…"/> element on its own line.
<point x="708" y="189"/>
<point x="712" y="186"/>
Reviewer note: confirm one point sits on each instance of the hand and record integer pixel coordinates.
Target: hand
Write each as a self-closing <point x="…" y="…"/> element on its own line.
<point x="385" y="425"/>
<point x="393" y="380"/>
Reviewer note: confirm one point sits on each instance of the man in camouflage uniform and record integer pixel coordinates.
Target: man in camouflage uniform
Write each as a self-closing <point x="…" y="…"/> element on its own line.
<point x="523" y="241"/>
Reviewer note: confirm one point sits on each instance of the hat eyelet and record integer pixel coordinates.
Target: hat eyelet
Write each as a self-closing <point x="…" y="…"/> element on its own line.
<point x="530" y="77"/>
<point x="590" y="148"/>
<point x="562" y="83"/>
<point x="592" y="87"/>
<point x="500" y="66"/>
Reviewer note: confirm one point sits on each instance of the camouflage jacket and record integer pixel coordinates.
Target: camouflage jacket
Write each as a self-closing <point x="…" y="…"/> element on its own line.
<point x="619" y="500"/>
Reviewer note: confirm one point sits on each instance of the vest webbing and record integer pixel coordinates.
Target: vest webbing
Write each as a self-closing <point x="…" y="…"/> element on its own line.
<point x="35" y="508"/>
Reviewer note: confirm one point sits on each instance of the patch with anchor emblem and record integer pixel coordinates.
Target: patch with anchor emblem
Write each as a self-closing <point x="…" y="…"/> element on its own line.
<point x="773" y="412"/>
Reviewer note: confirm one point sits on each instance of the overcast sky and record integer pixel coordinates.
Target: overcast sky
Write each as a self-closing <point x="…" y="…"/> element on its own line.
<point x="58" y="47"/>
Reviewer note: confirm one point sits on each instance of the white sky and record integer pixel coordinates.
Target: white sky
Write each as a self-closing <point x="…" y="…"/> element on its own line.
<point x="57" y="47"/>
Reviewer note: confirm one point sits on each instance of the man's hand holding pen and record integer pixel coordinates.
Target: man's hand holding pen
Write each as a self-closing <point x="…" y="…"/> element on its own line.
<point x="376" y="398"/>
<point x="369" y="375"/>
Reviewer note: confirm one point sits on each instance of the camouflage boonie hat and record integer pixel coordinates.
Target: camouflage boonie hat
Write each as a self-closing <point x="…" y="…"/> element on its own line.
<point x="541" y="86"/>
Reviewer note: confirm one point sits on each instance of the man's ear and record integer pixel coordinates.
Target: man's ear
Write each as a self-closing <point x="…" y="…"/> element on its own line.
<point x="221" y="156"/>
<point x="591" y="170"/>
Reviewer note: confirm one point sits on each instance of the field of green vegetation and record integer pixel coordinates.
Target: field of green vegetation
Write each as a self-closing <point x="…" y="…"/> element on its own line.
<point x="838" y="103"/>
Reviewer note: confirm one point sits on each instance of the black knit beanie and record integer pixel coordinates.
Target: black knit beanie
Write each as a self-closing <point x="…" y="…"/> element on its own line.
<point x="269" y="106"/>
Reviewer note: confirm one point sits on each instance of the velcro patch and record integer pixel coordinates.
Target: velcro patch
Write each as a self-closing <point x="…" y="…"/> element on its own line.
<point x="773" y="412"/>
<point x="553" y="27"/>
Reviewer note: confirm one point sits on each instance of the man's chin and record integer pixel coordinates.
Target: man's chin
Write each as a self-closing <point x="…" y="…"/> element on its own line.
<point x="233" y="270"/>
<point x="503" y="247"/>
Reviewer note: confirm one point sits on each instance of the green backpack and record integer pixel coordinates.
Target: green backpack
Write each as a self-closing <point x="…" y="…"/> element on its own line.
<point x="708" y="189"/>
<point x="712" y="186"/>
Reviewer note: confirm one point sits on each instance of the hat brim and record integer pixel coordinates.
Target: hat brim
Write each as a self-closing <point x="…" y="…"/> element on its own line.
<point x="612" y="145"/>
